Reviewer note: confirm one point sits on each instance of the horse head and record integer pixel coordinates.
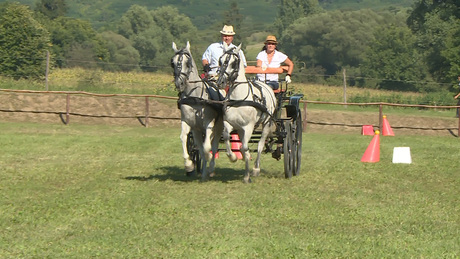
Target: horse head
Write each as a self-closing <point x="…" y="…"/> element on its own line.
<point x="230" y="66"/>
<point x="182" y="63"/>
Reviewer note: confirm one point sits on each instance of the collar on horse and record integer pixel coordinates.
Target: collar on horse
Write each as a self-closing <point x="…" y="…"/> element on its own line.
<point x="214" y="99"/>
<point x="258" y="102"/>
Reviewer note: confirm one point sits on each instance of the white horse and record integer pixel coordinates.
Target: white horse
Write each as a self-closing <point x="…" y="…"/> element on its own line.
<point x="198" y="115"/>
<point x="247" y="105"/>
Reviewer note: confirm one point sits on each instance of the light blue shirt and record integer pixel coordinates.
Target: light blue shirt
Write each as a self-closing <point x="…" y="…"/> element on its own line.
<point x="214" y="52"/>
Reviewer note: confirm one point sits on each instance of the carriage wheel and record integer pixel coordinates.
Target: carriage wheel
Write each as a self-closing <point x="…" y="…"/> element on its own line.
<point x="194" y="154"/>
<point x="298" y="143"/>
<point x="289" y="150"/>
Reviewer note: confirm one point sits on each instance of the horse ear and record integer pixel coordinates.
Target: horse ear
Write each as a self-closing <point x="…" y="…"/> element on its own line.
<point x="174" y="47"/>
<point x="188" y="46"/>
<point x="239" y="48"/>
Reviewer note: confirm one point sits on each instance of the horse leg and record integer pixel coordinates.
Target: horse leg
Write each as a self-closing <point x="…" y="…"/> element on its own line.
<point x="207" y="145"/>
<point x="215" y="138"/>
<point x="226" y="135"/>
<point x="198" y="137"/>
<point x="245" y="135"/>
<point x="260" y="147"/>
<point x="188" y="163"/>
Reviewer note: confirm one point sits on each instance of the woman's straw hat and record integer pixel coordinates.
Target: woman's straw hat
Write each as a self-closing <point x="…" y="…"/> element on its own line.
<point x="227" y="30"/>
<point x="271" y="39"/>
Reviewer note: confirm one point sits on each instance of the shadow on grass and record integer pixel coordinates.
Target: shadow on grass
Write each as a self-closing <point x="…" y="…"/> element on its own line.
<point x="174" y="173"/>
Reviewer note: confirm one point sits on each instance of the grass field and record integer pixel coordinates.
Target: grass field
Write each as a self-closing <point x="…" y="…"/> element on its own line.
<point x="83" y="191"/>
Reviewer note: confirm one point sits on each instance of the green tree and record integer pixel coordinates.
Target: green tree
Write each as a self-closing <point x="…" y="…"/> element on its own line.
<point x="452" y="55"/>
<point x="136" y="20"/>
<point x="291" y="10"/>
<point x="52" y="8"/>
<point x="332" y="40"/>
<point x="151" y="33"/>
<point x="392" y="60"/>
<point x="123" y="56"/>
<point x="23" y="42"/>
<point x="76" y="43"/>
<point x="437" y="24"/>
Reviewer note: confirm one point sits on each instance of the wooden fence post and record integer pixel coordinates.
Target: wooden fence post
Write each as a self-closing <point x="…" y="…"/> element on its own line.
<point x="345" y="87"/>
<point x="67" y="109"/>
<point x="380" y="118"/>
<point x="147" y="111"/>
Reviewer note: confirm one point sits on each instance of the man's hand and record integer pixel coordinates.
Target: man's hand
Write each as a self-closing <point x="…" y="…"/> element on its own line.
<point x="206" y="68"/>
<point x="288" y="79"/>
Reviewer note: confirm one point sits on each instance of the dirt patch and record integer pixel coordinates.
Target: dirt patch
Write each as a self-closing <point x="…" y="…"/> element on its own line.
<point x="128" y="110"/>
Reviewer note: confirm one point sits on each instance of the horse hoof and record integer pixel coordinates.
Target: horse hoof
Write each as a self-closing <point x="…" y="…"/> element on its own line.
<point x="189" y="166"/>
<point x="212" y="174"/>
<point x="190" y="174"/>
<point x="233" y="157"/>
<point x="256" y="172"/>
<point x="247" y="180"/>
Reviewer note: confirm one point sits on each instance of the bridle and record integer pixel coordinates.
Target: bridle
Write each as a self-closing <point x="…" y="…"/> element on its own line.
<point x="235" y="66"/>
<point x="177" y="66"/>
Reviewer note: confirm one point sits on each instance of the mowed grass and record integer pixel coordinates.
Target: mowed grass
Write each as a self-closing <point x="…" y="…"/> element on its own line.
<point x="82" y="191"/>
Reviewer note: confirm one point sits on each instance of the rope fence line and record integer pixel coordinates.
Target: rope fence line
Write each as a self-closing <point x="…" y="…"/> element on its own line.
<point x="146" y="116"/>
<point x="380" y="105"/>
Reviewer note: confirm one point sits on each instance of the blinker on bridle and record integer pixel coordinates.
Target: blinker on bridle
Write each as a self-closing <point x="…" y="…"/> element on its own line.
<point x="178" y="67"/>
<point x="235" y="65"/>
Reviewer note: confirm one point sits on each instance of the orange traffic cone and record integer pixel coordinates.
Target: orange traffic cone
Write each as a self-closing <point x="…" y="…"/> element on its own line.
<point x="372" y="153"/>
<point x="386" y="130"/>
<point x="236" y="145"/>
<point x="367" y="130"/>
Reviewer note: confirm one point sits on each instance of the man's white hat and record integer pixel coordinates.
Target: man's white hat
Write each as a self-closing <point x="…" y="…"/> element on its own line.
<point x="227" y="30"/>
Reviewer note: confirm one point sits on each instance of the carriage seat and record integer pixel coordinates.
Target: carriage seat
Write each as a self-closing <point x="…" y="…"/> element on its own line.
<point x="269" y="70"/>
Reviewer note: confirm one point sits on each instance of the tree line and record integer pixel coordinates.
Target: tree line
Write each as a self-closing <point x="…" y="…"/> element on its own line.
<point x="397" y="49"/>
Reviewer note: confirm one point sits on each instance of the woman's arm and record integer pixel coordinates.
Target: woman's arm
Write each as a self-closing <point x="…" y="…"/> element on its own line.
<point x="290" y="65"/>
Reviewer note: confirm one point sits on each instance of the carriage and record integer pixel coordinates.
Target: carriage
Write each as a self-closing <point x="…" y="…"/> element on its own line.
<point x="278" y="133"/>
<point x="286" y="140"/>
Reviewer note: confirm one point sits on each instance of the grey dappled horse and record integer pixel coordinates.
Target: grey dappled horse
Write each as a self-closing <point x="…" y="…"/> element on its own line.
<point x="247" y="105"/>
<point x="197" y="115"/>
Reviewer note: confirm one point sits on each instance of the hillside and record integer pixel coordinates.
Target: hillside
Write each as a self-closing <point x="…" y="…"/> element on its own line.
<point x="257" y="13"/>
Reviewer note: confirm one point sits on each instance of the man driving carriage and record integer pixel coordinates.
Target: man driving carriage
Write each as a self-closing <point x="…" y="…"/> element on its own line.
<point x="212" y="54"/>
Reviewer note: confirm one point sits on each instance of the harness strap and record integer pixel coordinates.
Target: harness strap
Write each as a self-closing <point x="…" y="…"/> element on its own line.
<point x="261" y="99"/>
<point x="217" y="106"/>
<point x="189" y="101"/>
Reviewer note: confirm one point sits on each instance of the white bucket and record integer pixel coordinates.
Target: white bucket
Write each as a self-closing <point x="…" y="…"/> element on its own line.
<point x="401" y="155"/>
